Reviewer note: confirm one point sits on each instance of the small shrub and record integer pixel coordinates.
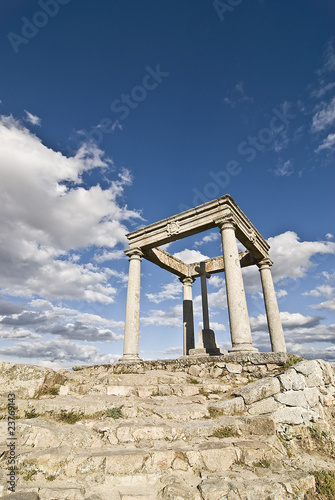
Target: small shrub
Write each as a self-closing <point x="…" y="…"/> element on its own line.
<point x="194" y="381"/>
<point x="114" y="413"/>
<point x="28" y="476"/>
<point x="224" y="432"/>
<point x="54" y="390"/>
<point x="70" y="417"/>
<point x="50" y="478"/>
<point x="264" y="463"/>
<point x="285" y="444"/>
<point x="215" y="412"/>
<point x="31" y="413"/>
<point x="325" y="483"/>
<point x="292" y="360"/>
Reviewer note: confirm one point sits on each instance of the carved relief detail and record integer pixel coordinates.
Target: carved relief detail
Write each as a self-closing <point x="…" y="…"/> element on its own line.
<point x="173" y="228"/>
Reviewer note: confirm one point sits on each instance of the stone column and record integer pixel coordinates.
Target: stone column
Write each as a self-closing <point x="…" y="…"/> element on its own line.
<point x="237" y="304"/>
<point x="132" y="323"/>
<point x="271" y="307"/>
<point x="188" y="321"/>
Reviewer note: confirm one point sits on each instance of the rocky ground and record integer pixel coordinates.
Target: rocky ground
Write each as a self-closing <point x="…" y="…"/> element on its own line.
<point x="226" y="428"/>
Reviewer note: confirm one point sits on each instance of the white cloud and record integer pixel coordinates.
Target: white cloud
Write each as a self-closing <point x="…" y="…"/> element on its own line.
<point x="290" y="321"/>
<point x="208" y="238"/>
<point x="174" y="351"/>
<point x="237" y="95"/>
<point x="321" y="291"/>
<point x="330" y="57"/>
<point x="284" y="169"/>
<point x="324" y="88"/>
<point x="169" y="291"/>
<point x="329" y="236"/>
<point x="292" y="257"/>
<point x="41" y="317"/>
<point x="328" y="305"/>
<point x="34" y="120"/>
<point x="105" y="255"/>
<point x="46" y="213"/>
<point x="324" y="116"/>
<point x="60" y="351"/>
<point x="158" y="317"/>
<point x="328" y="143"/>
<point x="190" y="256"/>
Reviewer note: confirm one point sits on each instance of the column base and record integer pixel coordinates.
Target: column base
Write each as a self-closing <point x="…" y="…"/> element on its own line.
<point x="243" y="348"/>
<point x="206" y="352"/>
<point x="129" y="358"/>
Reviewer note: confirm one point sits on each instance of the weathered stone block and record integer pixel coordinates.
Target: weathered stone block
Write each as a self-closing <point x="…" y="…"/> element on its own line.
<point x="308" y="368"/>
<point x="120" y="390"/>
<point x="214" y="489"/>
<point x="234" y="368"/>
<point x="21" y="496"/>
<point x="298" y="380"/>
<point x="229" y="406"/>
<point x="145" y="392"/>
<point x="125" y="463"/>
<point x="124" y="433"/>
<point x="160" y="460"/>
<point x="328" y="374"/>
<point x="258" y="390"/>
<point x="194" y="370"/>
<point x="267" y="405"/>
<point x="189" y="390"/>
<point x="219" y="459"/>
<point x="259" y="426"/>
<point x="292" y="398"/>
<point x="62" y="493"/>
<point x="289" y="415"/>
<point x="26" y="381"/>
<point x="312" y="396"/>
<point x="285" y="381"/>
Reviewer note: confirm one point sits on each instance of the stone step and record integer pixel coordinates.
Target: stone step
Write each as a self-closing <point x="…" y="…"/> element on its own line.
<point x="48" y="432"/>
<point x="249" y="485"/>
<point x="211" y="455"/>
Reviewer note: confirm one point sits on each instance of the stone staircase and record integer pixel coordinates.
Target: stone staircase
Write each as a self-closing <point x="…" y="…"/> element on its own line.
<point x="225" y="428"/>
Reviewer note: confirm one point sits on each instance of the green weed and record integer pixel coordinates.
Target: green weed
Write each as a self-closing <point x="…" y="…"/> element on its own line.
<point x="28" y="476"/>
<point x="325" y="483"/>
<point x="264" y="463"/>
<point x="224" y="432"/>
<point x="31" y="413"/>
<point x="114" y="413"/>
<point x="70" y="417"/>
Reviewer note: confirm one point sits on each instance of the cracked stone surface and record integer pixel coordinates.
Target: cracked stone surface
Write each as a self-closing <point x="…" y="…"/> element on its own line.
<point x="226" y="427"/>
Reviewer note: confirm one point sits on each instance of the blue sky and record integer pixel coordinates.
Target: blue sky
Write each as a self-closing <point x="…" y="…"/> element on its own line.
<point x="115" y="115"/>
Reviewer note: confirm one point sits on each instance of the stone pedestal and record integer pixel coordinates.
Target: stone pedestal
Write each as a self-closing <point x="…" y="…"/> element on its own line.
<point x="206" y="345"/>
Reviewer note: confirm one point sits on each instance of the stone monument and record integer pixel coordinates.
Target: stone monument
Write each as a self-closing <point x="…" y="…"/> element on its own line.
<point x="233" y="224"/>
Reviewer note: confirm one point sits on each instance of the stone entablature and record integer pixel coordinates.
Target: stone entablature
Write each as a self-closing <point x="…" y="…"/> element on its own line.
<point x="233" y="224"/>
<point x="197" y="220"/>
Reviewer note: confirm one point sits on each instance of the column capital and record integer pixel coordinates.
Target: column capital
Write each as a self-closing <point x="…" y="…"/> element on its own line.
<point x="266" y="263"/>
<point x="187" y="280"/>
<point x="134" y="253"/>
<point x="226" y="223"/>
